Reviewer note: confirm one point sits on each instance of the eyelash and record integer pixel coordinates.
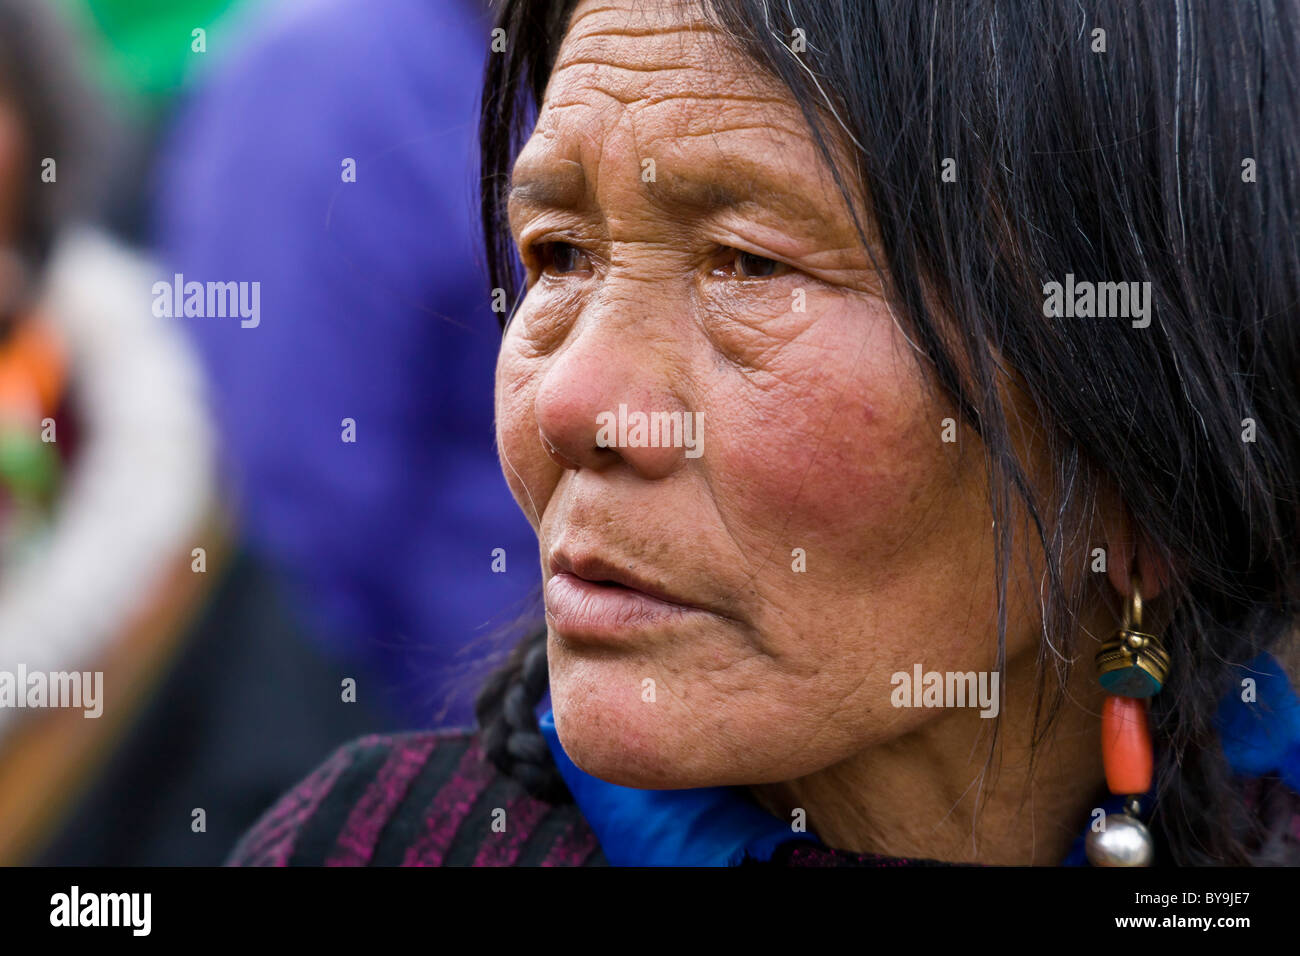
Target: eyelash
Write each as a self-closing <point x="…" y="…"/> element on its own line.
<point x="543" y="253"/>
<point x="779" y="268"/>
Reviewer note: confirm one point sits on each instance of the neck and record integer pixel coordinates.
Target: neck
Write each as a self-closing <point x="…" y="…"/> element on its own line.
<point x="939" y="793"/>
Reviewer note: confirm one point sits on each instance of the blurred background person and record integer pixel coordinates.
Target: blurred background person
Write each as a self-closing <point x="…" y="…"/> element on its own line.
<point x="331" y="155"/>
<point x="142" y="54"/>
<point x="115" y="555"/>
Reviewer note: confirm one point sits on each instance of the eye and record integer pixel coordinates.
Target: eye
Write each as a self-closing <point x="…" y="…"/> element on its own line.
<point x="562" y="258"/>
<point x="748" y="265"/>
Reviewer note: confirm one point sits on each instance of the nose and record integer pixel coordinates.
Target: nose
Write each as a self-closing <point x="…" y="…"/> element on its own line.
<point x="607" y="402"/>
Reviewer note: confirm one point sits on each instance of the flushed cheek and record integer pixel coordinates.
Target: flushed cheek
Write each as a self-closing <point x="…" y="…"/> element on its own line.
<point x="839" y="451"/>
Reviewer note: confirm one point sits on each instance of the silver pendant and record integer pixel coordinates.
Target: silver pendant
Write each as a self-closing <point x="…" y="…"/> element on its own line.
<point x="1125" y="842"/>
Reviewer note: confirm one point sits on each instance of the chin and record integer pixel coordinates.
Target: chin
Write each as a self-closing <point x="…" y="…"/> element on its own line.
<point x="608" y="731"/>
<point x="617" y="737"/>
<point x="621" y="739"/>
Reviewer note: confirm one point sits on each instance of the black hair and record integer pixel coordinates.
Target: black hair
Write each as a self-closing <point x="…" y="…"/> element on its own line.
<point x="1170" y="155"/>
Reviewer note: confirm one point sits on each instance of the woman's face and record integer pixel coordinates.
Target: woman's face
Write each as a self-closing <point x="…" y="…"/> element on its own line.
<point x="688" y="254"/>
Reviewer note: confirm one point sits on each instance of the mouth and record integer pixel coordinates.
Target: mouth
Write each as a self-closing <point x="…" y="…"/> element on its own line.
<point x="589" y="598"/>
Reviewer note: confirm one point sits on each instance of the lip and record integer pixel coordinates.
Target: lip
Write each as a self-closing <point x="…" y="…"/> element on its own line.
<point x="593" y="568"/>
<point x="590" y="598"/>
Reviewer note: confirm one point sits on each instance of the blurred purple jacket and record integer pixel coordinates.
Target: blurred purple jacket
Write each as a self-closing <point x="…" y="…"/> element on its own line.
<point x="374" y="307"/>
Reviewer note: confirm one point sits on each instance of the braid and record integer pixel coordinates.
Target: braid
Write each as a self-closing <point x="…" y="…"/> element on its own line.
<point x="506" y="711"/>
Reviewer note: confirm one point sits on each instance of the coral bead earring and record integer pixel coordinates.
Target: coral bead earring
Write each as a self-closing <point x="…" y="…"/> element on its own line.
<point x="1126" y="745"/>
<point x="1133" y="666"/>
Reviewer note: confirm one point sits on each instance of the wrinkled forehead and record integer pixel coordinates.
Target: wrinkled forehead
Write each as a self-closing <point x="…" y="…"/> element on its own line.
<point x="636" y="81"/>
<point x="643" y="55"/>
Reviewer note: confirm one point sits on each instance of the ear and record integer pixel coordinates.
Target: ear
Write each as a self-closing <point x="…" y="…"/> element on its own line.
<point x="1129" y="556"/>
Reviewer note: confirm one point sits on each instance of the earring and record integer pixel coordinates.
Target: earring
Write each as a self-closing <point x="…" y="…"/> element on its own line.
<point x="1133" y="667"/>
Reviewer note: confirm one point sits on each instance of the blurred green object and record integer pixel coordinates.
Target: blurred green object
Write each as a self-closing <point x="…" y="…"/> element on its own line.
<point x="145" y="47"/>
<point x="29" y="467"/>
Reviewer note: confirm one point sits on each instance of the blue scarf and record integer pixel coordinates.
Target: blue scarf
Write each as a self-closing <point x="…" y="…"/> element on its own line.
<point x="720" y="826"/>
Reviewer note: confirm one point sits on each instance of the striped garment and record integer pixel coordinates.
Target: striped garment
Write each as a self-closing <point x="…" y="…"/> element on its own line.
<point x="415" y="799"/>
<point x="430" y="799"/>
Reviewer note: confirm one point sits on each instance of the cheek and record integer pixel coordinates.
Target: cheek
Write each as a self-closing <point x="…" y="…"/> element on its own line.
<point x="836" y="447"/>
<point x="843" y="458"/>
<point x="523" y="460"/>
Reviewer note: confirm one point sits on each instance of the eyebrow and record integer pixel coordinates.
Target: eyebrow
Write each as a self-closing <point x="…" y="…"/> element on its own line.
<point x="671" y="192"/>
<point x="556" y="190"/>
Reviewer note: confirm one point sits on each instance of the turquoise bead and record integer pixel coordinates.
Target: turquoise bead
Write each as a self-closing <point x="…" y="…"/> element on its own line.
<point x="1130" y="682"/>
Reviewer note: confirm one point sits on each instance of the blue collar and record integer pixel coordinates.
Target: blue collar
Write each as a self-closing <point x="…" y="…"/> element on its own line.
<point x="719" y="826"/>
<point x="710" y="826"/>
